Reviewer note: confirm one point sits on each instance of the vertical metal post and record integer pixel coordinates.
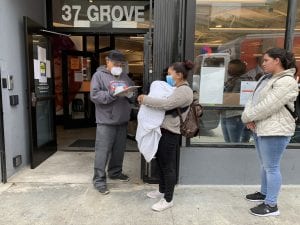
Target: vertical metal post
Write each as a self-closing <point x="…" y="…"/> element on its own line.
<point x="150" y="45"/>
<point x="2" y="144"/>
<point x="181" y="30"/>
<point x="290" y="24"/>
<point x="150" y="18"/>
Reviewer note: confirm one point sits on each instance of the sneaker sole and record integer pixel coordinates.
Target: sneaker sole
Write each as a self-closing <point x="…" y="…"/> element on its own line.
<point x="159" y="210"/>
<point x="150" y="196"/>
<point x="252" y="200"/>
<point x="120" y="180"/>
<point x="105" y="193"/>
<point x="277" y="213"/>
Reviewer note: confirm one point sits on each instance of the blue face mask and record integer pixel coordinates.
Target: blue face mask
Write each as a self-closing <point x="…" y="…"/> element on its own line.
<point x="170" y="80"/>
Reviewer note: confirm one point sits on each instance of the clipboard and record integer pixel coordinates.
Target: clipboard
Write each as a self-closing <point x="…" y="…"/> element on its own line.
<point x="128" y="89"/>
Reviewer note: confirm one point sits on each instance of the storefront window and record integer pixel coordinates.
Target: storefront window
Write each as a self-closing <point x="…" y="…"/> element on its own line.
<point x="230" y="37"/>
<point x="296" y="51"/>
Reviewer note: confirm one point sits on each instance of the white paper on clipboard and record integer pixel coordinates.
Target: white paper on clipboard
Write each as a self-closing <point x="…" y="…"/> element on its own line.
<point x="126" y="90"/>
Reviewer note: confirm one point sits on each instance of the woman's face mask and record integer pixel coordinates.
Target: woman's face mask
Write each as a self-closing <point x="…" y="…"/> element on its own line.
<point x="116" y="71"/>
<point x="170" y="80"/>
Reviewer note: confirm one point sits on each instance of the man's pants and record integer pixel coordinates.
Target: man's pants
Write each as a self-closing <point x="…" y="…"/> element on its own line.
<point x="166" y="160"/>
<point x="110" y="145"/>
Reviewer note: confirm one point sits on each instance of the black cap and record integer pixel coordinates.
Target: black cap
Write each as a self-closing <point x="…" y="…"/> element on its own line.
<point x="116" y="56"/>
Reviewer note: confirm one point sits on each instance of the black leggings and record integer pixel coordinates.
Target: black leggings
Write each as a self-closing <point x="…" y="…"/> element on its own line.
<point x="166" y="160"/>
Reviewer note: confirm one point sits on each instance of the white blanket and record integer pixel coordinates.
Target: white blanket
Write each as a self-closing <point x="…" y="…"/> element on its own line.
<point x="149" y="120"/>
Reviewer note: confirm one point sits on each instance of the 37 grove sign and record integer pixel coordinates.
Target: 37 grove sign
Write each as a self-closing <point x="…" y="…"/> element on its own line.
<point x="103" y="13"/>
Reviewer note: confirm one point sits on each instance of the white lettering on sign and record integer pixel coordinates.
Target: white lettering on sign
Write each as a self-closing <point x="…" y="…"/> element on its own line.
<point x="67" y="15"/>
<point x="139" y="13"/>
<point x="67" y="12"/>
<point x="104" y="13"/>
<point x="92" y="13"/>
<point x="114" y="11"/>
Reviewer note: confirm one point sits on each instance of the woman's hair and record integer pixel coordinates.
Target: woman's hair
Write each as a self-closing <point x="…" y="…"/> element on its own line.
<point x="286" y="58"/>
<point x="183" y="67"/>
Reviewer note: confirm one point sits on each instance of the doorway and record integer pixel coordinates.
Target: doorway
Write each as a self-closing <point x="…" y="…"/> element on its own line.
<point x="75" y="62"/>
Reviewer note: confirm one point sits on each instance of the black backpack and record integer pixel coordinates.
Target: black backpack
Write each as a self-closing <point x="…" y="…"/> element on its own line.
<point x="296" y="113"/>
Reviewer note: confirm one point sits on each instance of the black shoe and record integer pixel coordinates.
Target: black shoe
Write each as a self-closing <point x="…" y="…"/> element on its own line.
<point x="103" y="190"/>
<point x="256" y="197"/>
<point x="265" y="210"/>
<point x="121" y="177"/>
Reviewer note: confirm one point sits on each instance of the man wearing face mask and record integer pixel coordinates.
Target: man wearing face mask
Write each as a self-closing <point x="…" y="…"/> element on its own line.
<point x="112" y="116"/>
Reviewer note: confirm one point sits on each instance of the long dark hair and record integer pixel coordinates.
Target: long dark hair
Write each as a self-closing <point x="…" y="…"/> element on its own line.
<point x="183" y="67"/>
<point x="286" y="58"/>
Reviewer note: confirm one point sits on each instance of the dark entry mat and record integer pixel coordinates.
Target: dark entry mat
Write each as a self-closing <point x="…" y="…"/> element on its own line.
<point x="87" y="143"/>
<point x="131" y="145"/>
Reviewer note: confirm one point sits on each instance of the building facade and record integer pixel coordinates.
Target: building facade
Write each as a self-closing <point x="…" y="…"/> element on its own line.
<point x="51" y="48"/>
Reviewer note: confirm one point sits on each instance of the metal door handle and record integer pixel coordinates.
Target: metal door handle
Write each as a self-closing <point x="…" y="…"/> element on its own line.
<point x="33" y="99"/>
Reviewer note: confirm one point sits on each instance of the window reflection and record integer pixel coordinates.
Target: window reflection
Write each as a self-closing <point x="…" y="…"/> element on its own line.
<point x="296" y="51"/>
<point x="230" y="38"/>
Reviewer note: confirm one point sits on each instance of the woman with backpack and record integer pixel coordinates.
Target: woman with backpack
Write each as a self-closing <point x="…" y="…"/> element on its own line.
<point x="267" y="115"/>
<point x="181" y="97"/>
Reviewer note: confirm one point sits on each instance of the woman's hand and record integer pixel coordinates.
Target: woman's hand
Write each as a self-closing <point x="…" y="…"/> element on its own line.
<point x="140" y="99"/>
<point x="251" y="126"/>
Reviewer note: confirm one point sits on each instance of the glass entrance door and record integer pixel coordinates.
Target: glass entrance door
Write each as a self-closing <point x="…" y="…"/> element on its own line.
<point x="40" y="93"/>
<point x="77" y="70"/>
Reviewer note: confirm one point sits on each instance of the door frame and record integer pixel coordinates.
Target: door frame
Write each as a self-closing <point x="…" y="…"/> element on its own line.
<point x="2" y="143"/>
<point x="38" y="154"/>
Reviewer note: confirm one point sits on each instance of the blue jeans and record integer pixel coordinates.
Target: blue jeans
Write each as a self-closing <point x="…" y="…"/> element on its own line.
<point x="270" y="150"/>
<point x="234" y="130"/>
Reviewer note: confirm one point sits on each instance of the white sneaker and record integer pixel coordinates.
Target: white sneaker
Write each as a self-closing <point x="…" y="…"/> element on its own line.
<point x="155" y="194"/>
<point x="162" y="205"/>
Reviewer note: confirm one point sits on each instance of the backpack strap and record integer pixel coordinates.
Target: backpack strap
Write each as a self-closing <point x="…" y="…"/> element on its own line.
<point x="180" y="116"/>
<point x="174" y="111"/>
<point x="267" y="76"/>
<point x="293" y="113"/>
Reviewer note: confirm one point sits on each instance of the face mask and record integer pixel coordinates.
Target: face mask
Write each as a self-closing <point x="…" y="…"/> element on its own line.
<point x="170" y="80"/>
<point x="116" y="71"/>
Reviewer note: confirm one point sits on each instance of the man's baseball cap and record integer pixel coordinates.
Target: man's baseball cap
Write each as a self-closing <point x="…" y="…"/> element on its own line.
<point x="116" y="56"/>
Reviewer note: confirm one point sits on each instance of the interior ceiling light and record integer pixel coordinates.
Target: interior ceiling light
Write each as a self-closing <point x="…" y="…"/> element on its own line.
<point x="232" y="29"/>
<point x="91" y="1"/>
<point x="136" y="38"/>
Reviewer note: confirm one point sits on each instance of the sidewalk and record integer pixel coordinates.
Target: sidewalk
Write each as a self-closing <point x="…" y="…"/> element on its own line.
<point x="60" y="192"/>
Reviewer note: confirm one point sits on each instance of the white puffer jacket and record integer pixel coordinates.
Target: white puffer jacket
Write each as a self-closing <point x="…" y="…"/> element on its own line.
<point x="269" y="113"/>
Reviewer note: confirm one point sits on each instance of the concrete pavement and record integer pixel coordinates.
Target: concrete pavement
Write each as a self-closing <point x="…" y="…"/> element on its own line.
<point x="60" y="192"/>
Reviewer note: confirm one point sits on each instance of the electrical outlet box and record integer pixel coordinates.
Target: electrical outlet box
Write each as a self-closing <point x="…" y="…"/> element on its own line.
<point x="17" y="160"/>
<point x="14" y="100"/>
<point x="4" y="83"/>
